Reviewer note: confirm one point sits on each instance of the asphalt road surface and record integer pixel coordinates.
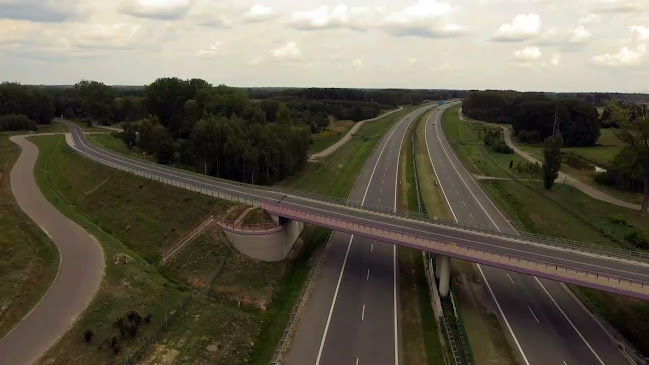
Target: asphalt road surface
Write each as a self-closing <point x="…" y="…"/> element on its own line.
<point x="352" y="313"/>
<point x="80" y="271"/>
<point x="544" y="322"/>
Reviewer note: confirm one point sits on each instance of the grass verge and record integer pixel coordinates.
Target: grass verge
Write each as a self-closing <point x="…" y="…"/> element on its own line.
<point x="29" y="258"/>
<point x="336" y="175"/>
<point x="571" y="214"/>
<point x="247" y="302"/>
<point x="466" y="138"/>
<point x="332" y="134"/>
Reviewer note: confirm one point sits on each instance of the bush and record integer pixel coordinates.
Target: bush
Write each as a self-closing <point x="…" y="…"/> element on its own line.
<point x="15" y="122"/>
<point x="88" y="335"/>
<point x="639" y="238"/>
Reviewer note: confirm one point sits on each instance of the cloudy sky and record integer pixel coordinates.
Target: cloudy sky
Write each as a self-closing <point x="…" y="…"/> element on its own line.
<point x="551" y="45"/>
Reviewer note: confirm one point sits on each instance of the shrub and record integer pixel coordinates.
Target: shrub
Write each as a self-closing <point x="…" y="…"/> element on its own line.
<point x="15" y="122"/>
<point x="88" y="335"/>
<point x="639" y="238"/>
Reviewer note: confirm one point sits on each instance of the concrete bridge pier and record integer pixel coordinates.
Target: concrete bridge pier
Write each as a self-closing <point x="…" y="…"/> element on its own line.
<point x="443" y="274"/>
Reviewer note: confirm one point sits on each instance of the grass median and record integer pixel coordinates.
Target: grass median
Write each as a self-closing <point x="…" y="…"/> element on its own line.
<point x="420" y="337"/>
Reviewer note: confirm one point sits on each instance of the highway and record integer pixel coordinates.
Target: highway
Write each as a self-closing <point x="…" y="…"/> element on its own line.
<point x="352" y="312"/>
<point x="80" y="271"/>
<point x="615" y="270"/>
<point x="544" y="322"/>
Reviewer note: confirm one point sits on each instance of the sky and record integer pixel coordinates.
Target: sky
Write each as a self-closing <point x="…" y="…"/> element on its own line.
<point x="528" y="45"/>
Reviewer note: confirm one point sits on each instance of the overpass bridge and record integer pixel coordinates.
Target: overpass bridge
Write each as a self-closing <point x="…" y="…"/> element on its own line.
<point x="614" y="270"/>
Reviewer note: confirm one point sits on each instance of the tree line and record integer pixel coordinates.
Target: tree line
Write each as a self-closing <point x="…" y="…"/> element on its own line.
<point x="219" y="131"/>
<point x="532" y="115"/>
<point x="23" y="107"/>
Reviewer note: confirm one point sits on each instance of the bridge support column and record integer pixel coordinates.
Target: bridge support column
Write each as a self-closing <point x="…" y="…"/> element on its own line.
<point x="443" y="273"/>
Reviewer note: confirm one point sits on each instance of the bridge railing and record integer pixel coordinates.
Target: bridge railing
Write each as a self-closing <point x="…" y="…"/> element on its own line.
<point x="553" y="269"/>
<point x="284" y="192"/>
<point x="521" y="236"/>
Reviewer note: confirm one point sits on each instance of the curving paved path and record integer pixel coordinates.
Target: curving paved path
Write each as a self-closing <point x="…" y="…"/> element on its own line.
<point x="587" y="189"/>
<point x="331" y="149"/>
<point x="81" y="268"/>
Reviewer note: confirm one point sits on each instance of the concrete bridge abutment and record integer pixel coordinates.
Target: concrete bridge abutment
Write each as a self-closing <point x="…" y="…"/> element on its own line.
<point x="271" y="244"/>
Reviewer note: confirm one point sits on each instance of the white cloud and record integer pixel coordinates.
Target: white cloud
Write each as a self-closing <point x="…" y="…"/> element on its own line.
<point x="427" y="19"/>
<point x="156" y="9"/>
<point x="287" y="51"/>
<point x="358" y="63"/>
<point x="618" y="6"/>
<point x="590" y="19"/>
<point x="258" y="13"/>
<point x="522" y="27"/>
<point x="555" y="59"/>
<point x="624" y="57"/>
<point x="108" y="36"/>
<point x="321" y="18"/>
<point x="580" y="34"/>
<point x="214" y="49"/>
<point x="640" y="31"/>
<point x="527" y="54"/>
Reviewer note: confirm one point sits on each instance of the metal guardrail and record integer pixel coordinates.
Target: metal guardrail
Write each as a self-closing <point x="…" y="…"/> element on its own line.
<point x="619" y="253"/>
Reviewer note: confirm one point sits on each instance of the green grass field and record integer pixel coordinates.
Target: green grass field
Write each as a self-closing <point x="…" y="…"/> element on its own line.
<point x="29" y="258"/>
<point x="247" y="304"/>
<point x="466" y="138"/>
<point x="335" y="176"/>
<point x="329" y="136"/>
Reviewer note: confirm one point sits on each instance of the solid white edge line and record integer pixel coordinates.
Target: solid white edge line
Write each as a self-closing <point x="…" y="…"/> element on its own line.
<point x="460" y="175"/>
<point x="394" y="247"/>
<point x="533" y="315"/>
<point x="500" y="310"/>
<point x="569" y="321"/>
<point x="342" y="270"/>
<point x="581" y="305"/>
<point x="502" y="314"/>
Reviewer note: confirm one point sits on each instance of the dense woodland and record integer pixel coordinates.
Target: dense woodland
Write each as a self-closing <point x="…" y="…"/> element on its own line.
<point x="532" y="115"/>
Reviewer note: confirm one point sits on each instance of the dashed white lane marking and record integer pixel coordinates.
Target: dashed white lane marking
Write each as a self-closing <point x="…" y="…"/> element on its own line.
<point x="533" y="315"/>
<point x="471" y="215"/>
<point x="510" y="278"/>
<point x="368" y="275"/>
<point x="363" y="314"/>
<point x="379" y="200"/>
<point x="463" y="203"/>
<point x="357" y="361"/>
<point x="564" y="363"/>
<point x="458" y="192"/>
<point x="372" y="248"/>
<point x="569" y="321"/>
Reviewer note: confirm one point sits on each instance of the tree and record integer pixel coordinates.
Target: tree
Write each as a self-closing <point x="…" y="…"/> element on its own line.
<point x="129" y="136"/>
<point x="634" y="157"/>
<point x="95" y="100"/>
<point x="552" y="160"/>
